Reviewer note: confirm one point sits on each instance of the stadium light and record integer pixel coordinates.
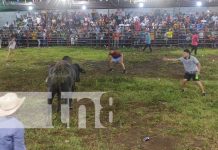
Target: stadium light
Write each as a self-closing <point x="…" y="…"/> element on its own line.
<point x="199" y="3"/>
<point x="30" y="8"/>
<point x="141" y="5"/>
<point x="84" y="7"/>
<point x="29" y="3"/>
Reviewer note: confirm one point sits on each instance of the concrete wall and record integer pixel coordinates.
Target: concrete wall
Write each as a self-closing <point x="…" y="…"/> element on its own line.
<point x="8" y="17"/>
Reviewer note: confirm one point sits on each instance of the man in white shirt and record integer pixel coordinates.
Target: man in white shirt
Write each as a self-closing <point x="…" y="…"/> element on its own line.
<point x="192" y="69"/>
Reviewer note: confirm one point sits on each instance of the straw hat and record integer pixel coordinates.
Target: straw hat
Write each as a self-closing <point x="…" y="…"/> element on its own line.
<point x="9" y="104"/>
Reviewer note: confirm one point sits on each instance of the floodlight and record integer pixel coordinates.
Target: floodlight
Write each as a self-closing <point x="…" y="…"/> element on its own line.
<point x="199" y="3"/>
<point x="141" y="5"/>
<point x="84" y="7"/>
<point x="30" y="8"/>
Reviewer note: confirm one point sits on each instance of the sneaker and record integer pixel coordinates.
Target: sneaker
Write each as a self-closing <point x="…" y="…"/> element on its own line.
<point x="124" y="71"/>
<point x="203" y="94"/>
<point x="111" y="69"/>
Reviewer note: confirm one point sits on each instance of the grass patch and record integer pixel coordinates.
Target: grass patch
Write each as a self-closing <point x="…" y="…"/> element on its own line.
<point x="147" y="100"/>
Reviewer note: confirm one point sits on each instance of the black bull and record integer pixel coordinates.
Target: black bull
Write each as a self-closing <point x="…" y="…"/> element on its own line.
<point x="61" y="78"/>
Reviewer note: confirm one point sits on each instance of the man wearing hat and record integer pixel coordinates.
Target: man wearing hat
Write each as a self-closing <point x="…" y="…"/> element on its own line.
<point x="11" y="129"/>
<point x="192" y="69"/>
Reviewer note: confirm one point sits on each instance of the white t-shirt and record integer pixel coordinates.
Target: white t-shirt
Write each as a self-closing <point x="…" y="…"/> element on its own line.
<point x="201" y="35"/>
<point x="6" y="25"/>
<point x="38" y="20"/>
<point x="12" y="44"/>
<point x="18" y="15"/>
<point x="214" y="18"/>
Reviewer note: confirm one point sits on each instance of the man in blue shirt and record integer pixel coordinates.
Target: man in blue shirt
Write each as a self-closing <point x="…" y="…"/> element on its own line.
<point x="11" y="129"/>
<point x="147" y="41"/>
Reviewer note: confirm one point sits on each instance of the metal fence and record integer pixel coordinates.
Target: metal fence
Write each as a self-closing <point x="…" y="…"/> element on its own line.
<point x="126" y="39"/>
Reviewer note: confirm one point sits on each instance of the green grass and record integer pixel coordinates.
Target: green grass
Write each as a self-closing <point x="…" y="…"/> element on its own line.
<point x="147" y="100"/>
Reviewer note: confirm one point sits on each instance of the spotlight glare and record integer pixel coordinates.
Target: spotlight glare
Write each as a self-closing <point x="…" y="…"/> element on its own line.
<point x="84" y="7"/>
<point x="199" y="3"/>
<point x="141" y="5"/>
<point x="30" y="8"/>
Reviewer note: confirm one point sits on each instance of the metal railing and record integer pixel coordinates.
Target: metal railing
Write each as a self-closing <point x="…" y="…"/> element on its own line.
<point x="126" y="39"/>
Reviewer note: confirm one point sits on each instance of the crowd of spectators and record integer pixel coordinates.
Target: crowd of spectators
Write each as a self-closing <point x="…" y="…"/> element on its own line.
<point x="47" y="28"/>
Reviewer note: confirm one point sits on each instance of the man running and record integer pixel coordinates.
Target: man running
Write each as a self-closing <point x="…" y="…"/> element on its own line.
<point x="116" y="57"/>
<point x="192" y="69"/>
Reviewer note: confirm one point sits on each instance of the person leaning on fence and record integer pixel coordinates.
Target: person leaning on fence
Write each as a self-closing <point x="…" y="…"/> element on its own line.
<point x="192" y="69"/>
<point x="195" y="42"/>
<point x="117" y="57"/>
<point x="11" y="129"/>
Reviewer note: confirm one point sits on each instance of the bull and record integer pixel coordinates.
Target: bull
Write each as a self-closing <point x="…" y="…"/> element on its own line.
<point x="62" y="78"/>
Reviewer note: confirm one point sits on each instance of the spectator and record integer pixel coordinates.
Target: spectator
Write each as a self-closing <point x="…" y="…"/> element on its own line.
<point x="147" y="41"/>
<point x="195" y="42"/>
<point x="11" y="129"/>
<point x="34" y="37"/>
<point x="11" y="45"/>
<point x="44" y="38"/>
<point x="39" y="38"/>
<point x="6" y="25"/>
<point x="116" y="38"/>
<point x="0" y="40"/>
<point x="92" y="27"/>
<point x="169" y="36"/>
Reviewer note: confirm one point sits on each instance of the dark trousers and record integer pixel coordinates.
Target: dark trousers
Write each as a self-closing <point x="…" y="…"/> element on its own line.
<point x="147" y="46"/>
<point x="195" y="49"/>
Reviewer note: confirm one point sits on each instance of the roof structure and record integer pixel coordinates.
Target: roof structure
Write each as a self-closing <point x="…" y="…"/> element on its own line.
<point x="102" y="4"/>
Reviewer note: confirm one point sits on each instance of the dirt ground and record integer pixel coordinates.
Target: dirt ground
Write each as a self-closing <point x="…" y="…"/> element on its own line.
<point x="151" y="68"/>
<point x="131" y="138"/>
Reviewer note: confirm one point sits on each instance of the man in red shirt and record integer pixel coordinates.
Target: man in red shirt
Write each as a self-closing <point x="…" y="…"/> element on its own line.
<point x="195" y="40"/>
<point x="116" y="57"/>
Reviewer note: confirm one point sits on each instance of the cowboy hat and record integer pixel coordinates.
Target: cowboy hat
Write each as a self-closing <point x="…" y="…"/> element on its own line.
<point x="9" y="104"/>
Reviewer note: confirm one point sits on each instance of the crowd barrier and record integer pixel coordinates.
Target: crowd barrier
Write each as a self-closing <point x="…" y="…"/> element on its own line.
<point x="126" y="39"/>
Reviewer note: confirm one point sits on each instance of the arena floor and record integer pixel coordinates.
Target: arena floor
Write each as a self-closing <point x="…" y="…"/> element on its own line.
<point x="147" y="100"/>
